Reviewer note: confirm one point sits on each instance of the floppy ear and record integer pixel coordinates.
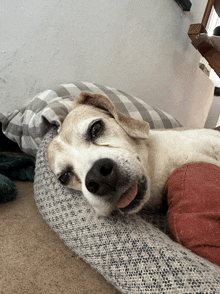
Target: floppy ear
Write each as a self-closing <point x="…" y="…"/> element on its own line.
<point x="138" y="129"/>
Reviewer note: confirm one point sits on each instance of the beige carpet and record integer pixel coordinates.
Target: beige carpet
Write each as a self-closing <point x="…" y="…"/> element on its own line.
<point x="34" y="260"/>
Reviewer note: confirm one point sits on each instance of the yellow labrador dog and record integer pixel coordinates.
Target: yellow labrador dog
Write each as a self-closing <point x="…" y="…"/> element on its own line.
<point x="117" y="161"/>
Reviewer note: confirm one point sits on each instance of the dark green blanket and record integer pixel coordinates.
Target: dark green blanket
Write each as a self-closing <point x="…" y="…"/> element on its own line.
<point x="14" y="168"/>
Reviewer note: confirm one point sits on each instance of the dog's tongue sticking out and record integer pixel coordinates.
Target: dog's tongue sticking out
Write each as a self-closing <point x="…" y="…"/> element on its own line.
<point x="128" y="196"/>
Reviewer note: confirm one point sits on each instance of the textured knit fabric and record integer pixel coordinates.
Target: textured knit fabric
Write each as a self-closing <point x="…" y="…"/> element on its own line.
<point x="194" y="208"/>
<point x="29" y="125"/>
<point x="129" y="252"/>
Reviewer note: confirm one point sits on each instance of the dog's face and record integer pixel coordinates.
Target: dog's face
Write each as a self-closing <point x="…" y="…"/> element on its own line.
<point x="103" y="153"/>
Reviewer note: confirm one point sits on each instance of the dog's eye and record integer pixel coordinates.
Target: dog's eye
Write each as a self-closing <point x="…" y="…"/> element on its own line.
<point x="96" y="129"/>
<point x="65" y="178"/>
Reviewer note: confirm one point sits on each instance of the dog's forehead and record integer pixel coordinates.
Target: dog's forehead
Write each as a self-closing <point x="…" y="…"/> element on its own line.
<point x="83" y="112"/>
<point x="78" y="120"/>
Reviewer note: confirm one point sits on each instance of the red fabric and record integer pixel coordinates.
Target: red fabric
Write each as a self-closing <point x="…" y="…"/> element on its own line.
<point x="194" y="208"/>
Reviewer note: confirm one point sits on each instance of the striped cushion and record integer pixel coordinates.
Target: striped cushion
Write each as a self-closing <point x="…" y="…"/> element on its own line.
<point x="29" y="125"/>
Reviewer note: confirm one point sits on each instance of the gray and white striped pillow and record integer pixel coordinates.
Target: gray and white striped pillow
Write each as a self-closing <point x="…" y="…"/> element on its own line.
<point x="28" y="126"/>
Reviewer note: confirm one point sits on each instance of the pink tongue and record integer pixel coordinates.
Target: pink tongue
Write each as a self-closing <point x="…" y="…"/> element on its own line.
<point x="128" y="196"/>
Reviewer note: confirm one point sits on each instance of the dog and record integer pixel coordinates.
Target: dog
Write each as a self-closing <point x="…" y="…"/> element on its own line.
<point x="117" y="161"/>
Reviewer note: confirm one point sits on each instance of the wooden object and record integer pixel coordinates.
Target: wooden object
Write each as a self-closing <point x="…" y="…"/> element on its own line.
<point x="199" y="28"/>
<point x="195" y="30"/>
<point x="207" y="12"/>
<point x="207" y="50"/>
<point x="205" y="45"/>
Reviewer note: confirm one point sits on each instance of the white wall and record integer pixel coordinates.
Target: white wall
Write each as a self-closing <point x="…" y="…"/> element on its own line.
<point x="140" y="47"/>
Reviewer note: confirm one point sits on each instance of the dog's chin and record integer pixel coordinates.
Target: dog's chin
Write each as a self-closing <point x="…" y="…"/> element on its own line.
<point x="133" y="199"/>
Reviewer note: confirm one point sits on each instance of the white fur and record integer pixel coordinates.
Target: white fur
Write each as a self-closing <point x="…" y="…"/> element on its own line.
<point x="155" y="157"/>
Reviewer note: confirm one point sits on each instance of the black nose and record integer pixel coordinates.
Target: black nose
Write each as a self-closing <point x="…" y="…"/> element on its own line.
<point x="102" y="177"/>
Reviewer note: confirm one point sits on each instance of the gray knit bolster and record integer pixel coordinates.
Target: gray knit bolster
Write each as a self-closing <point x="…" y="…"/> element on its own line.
<point x="129" y="252"/>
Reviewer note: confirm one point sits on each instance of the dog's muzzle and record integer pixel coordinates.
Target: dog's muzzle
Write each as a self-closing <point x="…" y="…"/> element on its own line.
<point x="106" y="180"/>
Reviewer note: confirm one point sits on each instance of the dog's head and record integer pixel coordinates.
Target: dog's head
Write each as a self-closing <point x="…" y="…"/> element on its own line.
<point x="103" y="153"/>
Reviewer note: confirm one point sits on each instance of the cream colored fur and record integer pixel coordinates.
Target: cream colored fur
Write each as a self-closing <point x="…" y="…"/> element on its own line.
<point x="138" y="151"/>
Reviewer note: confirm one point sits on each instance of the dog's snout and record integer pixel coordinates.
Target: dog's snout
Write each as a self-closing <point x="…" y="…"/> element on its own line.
<point x="102" y="177"/>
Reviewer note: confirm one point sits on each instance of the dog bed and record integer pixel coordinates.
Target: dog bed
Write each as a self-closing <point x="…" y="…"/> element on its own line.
<point x="129" y="252"/>
<point x="134" y="253"/>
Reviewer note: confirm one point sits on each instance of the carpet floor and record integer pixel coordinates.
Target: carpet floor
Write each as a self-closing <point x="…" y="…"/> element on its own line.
<point x="34" y="260"/>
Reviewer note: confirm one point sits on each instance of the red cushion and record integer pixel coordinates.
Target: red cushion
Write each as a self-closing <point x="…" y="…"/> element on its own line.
<point x="194" y="208"/>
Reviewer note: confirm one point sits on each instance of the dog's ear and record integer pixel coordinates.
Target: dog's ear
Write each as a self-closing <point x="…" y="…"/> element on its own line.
<point x="138" y="129"/>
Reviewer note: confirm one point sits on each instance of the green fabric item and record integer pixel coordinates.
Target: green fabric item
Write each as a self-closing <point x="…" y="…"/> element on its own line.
<point x="8" y="189"/>
<point x="14" y="168"/>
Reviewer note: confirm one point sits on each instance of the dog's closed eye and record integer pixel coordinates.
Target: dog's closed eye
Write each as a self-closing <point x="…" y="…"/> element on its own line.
<point x="66" y="177"/>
